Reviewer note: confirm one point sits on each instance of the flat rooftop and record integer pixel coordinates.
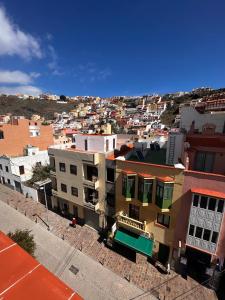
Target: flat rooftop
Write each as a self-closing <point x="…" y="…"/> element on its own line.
<point x="152" y="157"/>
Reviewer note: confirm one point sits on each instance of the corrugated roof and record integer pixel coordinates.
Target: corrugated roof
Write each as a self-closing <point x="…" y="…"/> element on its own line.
<point x="23" y="277"/>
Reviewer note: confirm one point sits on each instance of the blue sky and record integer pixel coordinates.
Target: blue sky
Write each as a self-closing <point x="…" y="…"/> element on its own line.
<point x="114" y="47"/>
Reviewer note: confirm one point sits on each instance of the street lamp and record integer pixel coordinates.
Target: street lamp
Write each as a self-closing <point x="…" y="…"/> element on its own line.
<point x="46" y="203"/>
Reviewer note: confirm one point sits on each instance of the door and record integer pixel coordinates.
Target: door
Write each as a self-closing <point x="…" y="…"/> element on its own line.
<point x="18" y="186"/>
<point x="163" y="254"/>
<point x="91" y="218"/>
<point x="75" y="212"/>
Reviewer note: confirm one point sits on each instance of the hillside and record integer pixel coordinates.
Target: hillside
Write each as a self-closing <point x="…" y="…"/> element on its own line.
<point x="169" y="115"/>
<point x="27" y="107"/>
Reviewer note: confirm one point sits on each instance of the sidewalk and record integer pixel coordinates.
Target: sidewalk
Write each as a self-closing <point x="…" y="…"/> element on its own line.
<point x="142" y="274"/>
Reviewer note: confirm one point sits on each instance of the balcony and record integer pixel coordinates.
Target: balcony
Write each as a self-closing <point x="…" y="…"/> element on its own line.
<point x="131" y="224"/>
<point x="92" y="204"/>
<point x="92" y="183"/>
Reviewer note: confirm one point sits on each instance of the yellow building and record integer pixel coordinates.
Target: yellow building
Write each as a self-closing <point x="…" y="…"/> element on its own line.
<point x="147" y="205"/>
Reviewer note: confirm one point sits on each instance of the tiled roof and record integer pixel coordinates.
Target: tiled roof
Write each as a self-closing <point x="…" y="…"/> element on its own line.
<point x="206" y="192"/>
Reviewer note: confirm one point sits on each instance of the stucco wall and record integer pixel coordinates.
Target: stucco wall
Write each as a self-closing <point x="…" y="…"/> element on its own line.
<point x="16" y="137"/>
<point x="204" y="181"/>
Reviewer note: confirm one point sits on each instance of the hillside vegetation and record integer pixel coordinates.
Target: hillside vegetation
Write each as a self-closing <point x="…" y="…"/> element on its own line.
<point x="27" y="108"/>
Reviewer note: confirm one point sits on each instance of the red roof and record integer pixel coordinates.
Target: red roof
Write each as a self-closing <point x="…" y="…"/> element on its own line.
<point x="145" y="175"/>
<point x="23" y="277"/>
<point x="166" y="179"/>
<point x="206" y="192"/>
<point x="128" y="172"/>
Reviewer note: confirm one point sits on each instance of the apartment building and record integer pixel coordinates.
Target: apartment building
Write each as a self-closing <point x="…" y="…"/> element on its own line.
<point x="147" y="204"/>
<point x="79" y="178"/>
<point x="15" y="171"/>
<point x="200" y="231"/>
<point x="20" y="132"/>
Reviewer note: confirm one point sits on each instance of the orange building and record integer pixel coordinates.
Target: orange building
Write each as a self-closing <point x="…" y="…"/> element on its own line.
<point x="21" y="132"/>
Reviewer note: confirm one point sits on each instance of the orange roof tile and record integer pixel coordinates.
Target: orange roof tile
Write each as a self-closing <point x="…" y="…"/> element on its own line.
<point x="22" y="277"/>
<point x="206" y="192"/>
<point x="145" y="175"/>
<point x="166" y="179"/>
<point x="128" y="172"/>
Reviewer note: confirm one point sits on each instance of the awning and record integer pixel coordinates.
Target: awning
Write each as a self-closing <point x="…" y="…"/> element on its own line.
<point x="136" y="242"/>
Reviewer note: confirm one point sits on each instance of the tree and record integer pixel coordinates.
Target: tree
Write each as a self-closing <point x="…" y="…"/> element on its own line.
<point x="62" y="98"/>
<point x="24" y="239"/>
<point x="40" y="173"/>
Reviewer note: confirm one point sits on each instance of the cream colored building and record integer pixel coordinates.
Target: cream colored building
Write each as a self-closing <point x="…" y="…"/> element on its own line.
<point x="79" y="178"/>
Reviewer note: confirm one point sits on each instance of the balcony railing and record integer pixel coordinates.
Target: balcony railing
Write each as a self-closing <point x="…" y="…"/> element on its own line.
<point x="130" y="223"/>
<point x="93" y="183"/>
<point x="92" y="204"/>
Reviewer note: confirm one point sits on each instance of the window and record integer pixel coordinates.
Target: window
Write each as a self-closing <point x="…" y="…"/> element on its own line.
<point x="164" y="194"/>
<point x="114" y="143"/>
<point x="63" y="188"/>
<point x="74" y="191"/>
<point x="206" y="235"/>
<point x="203" y="202"/>
<point x="8" y="180"/>
<point x="214" y="237"/>
<point x="212" y="204"/>
<point x="107" y="145"/>
<point x="128" y="186"/>
<point x="204" y="161"/>
<point x="0" y="166"/>
<point x="85" y="145"/>
<point x="196" y="200"/>
<point x="163" y="220"/>
<point x="62" y="167"/>
<point x="145" y="190"/>
<point x="191" y="230"/>
<point x="21" y="169"/>
<point x="1" y="135"/>
<point x="110" y="175"/>
<point x="220" y="206"/>
<point x="6" y="168"/>
<point x="134" y="211"/>
<point x="198" y="232"/>
<point x="73" y="169"/>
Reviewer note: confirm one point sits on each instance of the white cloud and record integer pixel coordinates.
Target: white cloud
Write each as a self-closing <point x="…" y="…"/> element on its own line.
<point x="14" y="41"/>
<point x="17" y="77"/>
<point x="53" y="64"/>
<point x="14" y="77"/>
<point x="35" y="74"/>
<point x="22" y="89"/>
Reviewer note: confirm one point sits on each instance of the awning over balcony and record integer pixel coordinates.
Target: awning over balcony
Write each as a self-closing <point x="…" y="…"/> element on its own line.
<point x="136" y="242"/>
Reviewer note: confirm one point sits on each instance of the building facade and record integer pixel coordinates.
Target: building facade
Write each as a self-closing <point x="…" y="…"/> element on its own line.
<point x="147" y="204"/>
<point x="79" y="178"/>
<point x="21" y="132"/>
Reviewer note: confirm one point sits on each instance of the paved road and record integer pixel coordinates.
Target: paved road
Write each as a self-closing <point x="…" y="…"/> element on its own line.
<point x="93" y="281"/>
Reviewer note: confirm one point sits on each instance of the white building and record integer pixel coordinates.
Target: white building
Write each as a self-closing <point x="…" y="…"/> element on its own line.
<point x="15" y="171"/>
<point x="190" y="116"/>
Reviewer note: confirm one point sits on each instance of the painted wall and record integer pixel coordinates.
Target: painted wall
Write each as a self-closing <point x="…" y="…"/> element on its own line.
<point x="190" y="114"/>
<point x="149" y="213"/>
<point x="204" y="181"/>
<point x="17" y="136"/>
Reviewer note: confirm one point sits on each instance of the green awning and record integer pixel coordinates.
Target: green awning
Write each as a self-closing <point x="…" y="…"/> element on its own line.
<point x="136" y="242"/>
